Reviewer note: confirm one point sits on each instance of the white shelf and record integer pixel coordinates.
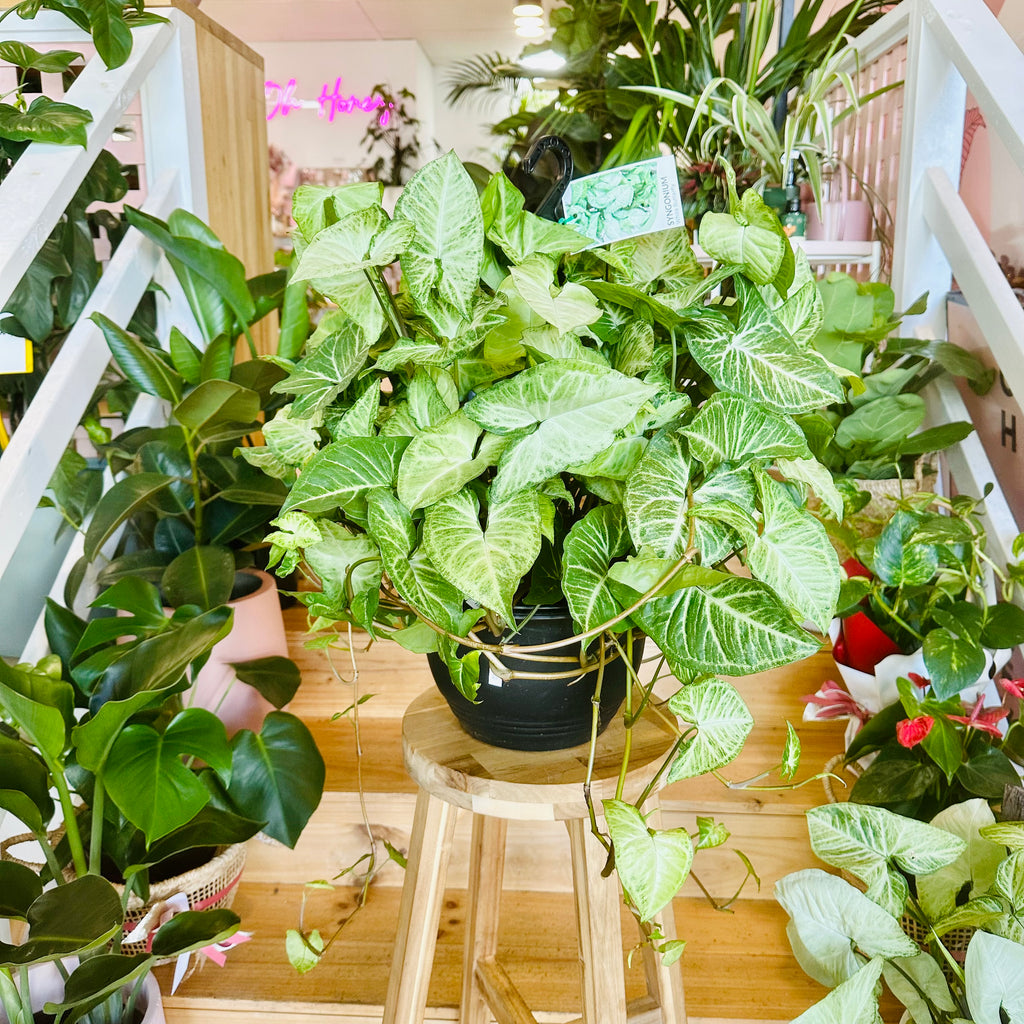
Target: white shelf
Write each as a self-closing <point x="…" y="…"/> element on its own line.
<point x="827" y="254"/>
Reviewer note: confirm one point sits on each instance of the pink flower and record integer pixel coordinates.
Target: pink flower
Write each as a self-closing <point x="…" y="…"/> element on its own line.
<point x="982" y="719"/>
<point x="832" y="701"/>
<point x="911" y="731"/>
<point x="1014" y="687"/>
<point x="919" y="681"/>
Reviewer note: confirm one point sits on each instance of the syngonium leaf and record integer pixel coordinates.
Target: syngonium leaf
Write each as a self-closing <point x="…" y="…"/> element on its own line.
<point x="360" y="241"/>
<point x="722" y="722"/>
<point x="917" y="982"/>
<point x="329" y="368"/>
<point x="732" y="429"/>
<point x="342" y="473"/>
<point x="661" y="256"/>
<point x="993" y="969"/>
<point x="758" y="359"/>
<point x="566" y="308"/>
<point x="485" y="564"/>
<point x="976" y="866"/>
<point x="657" y="496"/>
<point x="744" y="626"/>
<point x="711" y="536"/>
<point x="1009" y="885"/>
<point x="652" y="865"/>
<point x="314" y="207"/>
<point x="759" y="251"/>
<point x="867" y="841"/>
<point x="801" y="312"/>
<point x="793" y="555"/>
<point x="347" y="563"/>
<point x="817" y="478"/>
<point x="409" y="568"/>
<point x="441" y="264"/>
<point x="592" y="544"/>
<point x="853" y="1002"/>
<point x="833" y="925"/>
<point x="576" y="408"/>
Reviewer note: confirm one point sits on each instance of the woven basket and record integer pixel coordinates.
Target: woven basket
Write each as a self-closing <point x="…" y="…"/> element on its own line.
<point x="211" y="886"/>
<point x="886" y="494"/>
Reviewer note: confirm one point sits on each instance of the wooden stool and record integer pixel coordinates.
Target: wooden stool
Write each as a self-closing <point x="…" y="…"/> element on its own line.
<point x="454" y="770"/>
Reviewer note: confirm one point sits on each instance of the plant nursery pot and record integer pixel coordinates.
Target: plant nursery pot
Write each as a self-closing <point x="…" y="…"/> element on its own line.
<point x="537" y="714"/>
<point x="841" y="220"/>
<point x="257" y="632"/>
<point x="47" y="986"/>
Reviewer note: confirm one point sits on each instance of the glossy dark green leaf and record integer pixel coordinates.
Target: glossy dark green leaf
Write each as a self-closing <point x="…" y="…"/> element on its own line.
<point x="945" y="747"/>
<point x="987" y="773"/>
<point x="878" y="731"/>
<point x="139" y="363"/>
<point x="20" y="887"/>
<point x="1004" y="626"/>
<point x="53" y="62"/>
<point x="898" y="561"/>
<point x="217" y="401"/>
<point x="170" y="538"/>
<point x="200" y="576"/>
<point x="32" y="302"/>
<point x="45" y="120"/>
<point x="110" y="34"/>
<point x="41" y="707"/>
<point x="953" y="664"/>
<point x="23" y="773"/>
<point x="69" y="919"/>
<point x="172" y="462"/>
<point x="278" y="776"/>
<point x="186" y="357"/>
<point x="893" y="779"/>
<point x="64" y="630"/>
<point x="194" y="929"/>
<point x="125" y="498"/>
<point x="97" y="978"/>
<point x="211" y="826"/>
<point x="275" y="678"/>
<point x="295" y="326"/>
<point x="218" y="358"/>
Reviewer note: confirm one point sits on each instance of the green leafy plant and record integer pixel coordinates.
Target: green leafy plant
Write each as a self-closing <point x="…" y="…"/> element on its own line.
<point x="111" y="705"/>
<point x="194" y="512"/>
<point x="962" y="871"/>
<point x="875" y="433"/>
<point x="525" y="422"/>
<point x="395" y="130"/>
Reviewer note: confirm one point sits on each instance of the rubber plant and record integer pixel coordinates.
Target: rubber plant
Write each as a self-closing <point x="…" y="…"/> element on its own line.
<point x="530" y="420"/>
<point x="110" y="708"/>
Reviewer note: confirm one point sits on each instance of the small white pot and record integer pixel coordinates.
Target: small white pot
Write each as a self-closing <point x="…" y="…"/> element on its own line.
<point x="47" y="986"/>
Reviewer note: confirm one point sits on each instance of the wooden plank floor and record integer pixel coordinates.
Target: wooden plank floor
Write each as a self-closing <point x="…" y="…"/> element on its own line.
<point x="737" y="965"/>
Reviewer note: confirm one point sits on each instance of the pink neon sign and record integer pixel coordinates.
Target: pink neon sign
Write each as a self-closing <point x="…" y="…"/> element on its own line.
<point x="330" y="103"/>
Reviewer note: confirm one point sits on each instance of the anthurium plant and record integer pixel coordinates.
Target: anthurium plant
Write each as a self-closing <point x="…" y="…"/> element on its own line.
<point x="108" y="708"/>
<point x="962" y="871"/>
<point x="528" y="422"/>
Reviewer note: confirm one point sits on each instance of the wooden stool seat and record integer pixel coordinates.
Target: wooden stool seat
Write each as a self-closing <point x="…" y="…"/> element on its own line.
<point x="454" y="770"/>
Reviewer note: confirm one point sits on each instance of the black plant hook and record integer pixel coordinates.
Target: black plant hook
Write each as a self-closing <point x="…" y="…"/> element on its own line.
<point x="550" y="206"/>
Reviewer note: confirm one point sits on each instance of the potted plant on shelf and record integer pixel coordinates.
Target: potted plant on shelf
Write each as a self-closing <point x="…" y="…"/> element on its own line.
<point x="109" y="707"/>
<point x="917" y="642"/>
<point x="530" y="430"/>
<point x="939" y="920"/>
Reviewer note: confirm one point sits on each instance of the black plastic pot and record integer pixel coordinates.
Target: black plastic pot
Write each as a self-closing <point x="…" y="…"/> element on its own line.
<point x="537" y="714"/>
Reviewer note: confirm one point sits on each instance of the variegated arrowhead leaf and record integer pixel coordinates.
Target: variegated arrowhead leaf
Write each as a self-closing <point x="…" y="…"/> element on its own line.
<point x="732" y="429"/>
<point x="567" y="308"/>
<point x="411" y="572"/>
<point x="853" y="1002"/>
<point x="439" y="461"/>
<point x="576" y="407"/>
<point x="812" y="473"/>
<point x="652" y="865"/>
<point x="364" y="239"/>
<point x="864" y="840"/>
<point x="994" y="968"/>
<point x="441" y="265"/>
<point x="758" y="359"/>
<point x="790" y="754"/>
<point x="486" y="565"/>
<point x="794" y="556"/>
<point x="830" y="919"/>
<point x="723" y="722"/>
<point x="802" y="311"/>
<point x="657" y="499"/>
<point x="712" y="537"/>
<point x="590" y="547"/>
<point x="758" y="250"/>
<point x="342" y="473"/>
<point x="743" y="628"/>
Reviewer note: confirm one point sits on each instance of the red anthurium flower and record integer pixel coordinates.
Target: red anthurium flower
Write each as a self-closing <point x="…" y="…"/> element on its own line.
<point x="1014" y="687"/>
<point x="982" y="719"/>
<point x="919" y="681"/>
<point x="911" y="731"/>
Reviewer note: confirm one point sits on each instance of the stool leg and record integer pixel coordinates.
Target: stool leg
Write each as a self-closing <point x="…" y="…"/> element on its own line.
<point x="422" y="894"/>
<point x="486" y="869"/>
<point x="599" y="929"/>
<point x="665" y="984"/>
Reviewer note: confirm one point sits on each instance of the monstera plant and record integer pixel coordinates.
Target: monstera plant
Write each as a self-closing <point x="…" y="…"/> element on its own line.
<point x="529" y="422"/>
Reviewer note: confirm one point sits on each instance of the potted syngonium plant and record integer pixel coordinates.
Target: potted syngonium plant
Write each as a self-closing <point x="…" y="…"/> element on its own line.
<point x="537" y="448"/>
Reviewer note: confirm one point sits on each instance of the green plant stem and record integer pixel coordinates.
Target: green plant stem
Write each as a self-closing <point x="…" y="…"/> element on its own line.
<point x="71" y="829"/>
<point x="24" y="989"/>
<point x="99" y="795"/>
<point x="386" y="302"/>
<point x="197" y="489"/>
<point x="594" y="723"/>
<point x="896" y="618"/>
<point x="51" y="858"/>
<point x="667" y="760"/>
<point x="923" y="919"/>
<point x="628" y="720"/>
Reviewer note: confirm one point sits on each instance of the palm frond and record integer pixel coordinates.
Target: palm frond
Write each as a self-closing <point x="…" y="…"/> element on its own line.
<point x="487" y="74"/>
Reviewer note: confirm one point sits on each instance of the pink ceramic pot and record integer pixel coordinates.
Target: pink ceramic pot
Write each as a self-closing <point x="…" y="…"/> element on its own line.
<point x="257" y="632"/>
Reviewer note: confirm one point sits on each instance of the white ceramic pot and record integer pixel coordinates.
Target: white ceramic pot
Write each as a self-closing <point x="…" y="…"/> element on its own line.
<point x="47" y="986"/>
<point x="257" y="632"/>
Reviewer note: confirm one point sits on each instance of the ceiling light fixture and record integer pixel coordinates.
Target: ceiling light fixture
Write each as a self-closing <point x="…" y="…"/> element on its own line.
<point x="548" y="60"/>
<point x="529" y="22"/>
<point x="530" y="31"/>
<point x="528" y="11"/>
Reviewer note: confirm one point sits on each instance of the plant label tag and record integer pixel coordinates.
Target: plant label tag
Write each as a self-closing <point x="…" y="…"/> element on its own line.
<point x="623" y="202"/>
<point x="15" y="354"/>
